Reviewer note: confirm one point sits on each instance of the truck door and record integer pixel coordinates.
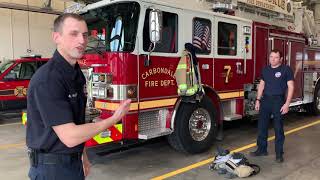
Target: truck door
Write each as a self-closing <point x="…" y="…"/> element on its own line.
<point x="261" y="56"/>
<point x="156" y="72"/>
<point x="233" y="62"/>
<point x="16" y="82"/>
<point x="278" y="43"/>
<point x="156" y="68"/>
<point x="294" y="49"/>
<point x="292" y="56"/>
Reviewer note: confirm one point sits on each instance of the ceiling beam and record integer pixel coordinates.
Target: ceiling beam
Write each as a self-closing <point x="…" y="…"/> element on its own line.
<point x="29" y="8"/>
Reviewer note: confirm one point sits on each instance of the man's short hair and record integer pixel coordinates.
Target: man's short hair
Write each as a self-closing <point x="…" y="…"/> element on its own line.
<point x="276" y="51"/>
<point x="58" y="22"/>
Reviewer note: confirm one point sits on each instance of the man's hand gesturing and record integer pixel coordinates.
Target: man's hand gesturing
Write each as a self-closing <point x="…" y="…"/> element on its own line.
<point x="122" y="110"/>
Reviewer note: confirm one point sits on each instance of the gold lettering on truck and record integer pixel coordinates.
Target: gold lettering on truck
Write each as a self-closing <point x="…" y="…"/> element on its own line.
<point x="280" y="6"/>
<point x="161" y="82"/>
<point x="228" y="69"/>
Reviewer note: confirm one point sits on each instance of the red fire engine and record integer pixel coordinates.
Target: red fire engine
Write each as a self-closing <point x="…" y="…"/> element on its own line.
<point x="137" y="45"/>
<point x="14" y="80"/>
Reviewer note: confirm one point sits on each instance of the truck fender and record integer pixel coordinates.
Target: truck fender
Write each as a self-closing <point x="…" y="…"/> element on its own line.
<point x="213" y="95"/>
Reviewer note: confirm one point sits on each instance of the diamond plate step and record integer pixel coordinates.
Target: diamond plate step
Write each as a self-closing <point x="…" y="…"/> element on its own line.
<point x="153" y="133"/>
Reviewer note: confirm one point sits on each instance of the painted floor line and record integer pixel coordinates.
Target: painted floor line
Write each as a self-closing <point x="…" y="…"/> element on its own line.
<point x="10" y="124"/>
<point x="7" y="146"/>
<point x="207" y="161"/>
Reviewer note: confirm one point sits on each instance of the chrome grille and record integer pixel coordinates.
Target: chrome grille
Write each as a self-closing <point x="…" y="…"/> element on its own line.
<point x="152" y="120"/>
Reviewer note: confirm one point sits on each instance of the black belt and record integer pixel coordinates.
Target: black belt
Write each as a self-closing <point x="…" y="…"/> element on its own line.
<point x="37" y="157"/>
<point x="280" y="95"/>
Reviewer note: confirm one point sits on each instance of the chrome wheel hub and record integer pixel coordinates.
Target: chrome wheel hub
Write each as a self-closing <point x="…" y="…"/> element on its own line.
<point x="318" y="101"/>
<point x="199" y="124"/>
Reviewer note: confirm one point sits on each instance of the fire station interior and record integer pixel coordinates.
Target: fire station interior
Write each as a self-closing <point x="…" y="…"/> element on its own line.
<point x="136" y="50"/>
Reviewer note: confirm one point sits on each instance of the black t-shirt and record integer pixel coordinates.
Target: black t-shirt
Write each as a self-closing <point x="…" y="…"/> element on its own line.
<point x="55" y="97"/>
<point x="276" y="79"/>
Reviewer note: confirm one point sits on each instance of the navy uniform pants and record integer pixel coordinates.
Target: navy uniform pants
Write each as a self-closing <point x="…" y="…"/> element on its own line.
<point x="56" y="168"/>
<point x="271" y="105"/>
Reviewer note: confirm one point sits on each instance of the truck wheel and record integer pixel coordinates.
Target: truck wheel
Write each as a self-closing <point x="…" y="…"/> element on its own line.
<point x="195" y="127"/>
<point x="314" y="107"/>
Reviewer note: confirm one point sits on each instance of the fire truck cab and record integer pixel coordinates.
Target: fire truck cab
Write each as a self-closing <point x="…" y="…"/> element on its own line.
<point x="138" y="45"/>
<point x="14" y="80"/>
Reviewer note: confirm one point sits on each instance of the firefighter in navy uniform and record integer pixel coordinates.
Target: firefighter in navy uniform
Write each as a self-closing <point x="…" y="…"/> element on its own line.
<point x="274" y="95"/>
<point x="56" y="108"/>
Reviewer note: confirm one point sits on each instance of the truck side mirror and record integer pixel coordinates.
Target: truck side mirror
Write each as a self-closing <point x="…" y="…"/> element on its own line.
<point x="155" y="24"/>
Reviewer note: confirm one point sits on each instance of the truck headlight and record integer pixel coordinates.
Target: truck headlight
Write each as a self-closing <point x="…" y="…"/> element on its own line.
<point x="102" y="92"/>
<point x="95" y="77"/>
<point x="121" y="92"/>
<point x="110" y="93"/>
<point x="95" y="92"/>
<point x="109" y="78"/>
<point x="102" y="78"/>
<point x="99" y="92"/>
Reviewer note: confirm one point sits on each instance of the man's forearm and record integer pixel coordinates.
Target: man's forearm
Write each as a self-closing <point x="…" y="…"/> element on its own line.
<point x="74" y="135"/>
<point x="290" y="92"/>
<point x="85" y="132"/>
<point x="260" y="89"/>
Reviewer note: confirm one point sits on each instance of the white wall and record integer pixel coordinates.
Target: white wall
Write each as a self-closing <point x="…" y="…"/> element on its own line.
<point x="6" y="49"/>
<point x="40" y="34"/>
<point x="56" y="4"/>
<point x="317" y="19"/>
<point x="20" y="35"/>
<point x="21" y="31"/>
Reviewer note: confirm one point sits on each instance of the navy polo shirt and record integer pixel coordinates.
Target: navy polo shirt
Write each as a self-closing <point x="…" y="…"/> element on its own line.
<point x="276" y="79"/>
<point x="55" y="97"/>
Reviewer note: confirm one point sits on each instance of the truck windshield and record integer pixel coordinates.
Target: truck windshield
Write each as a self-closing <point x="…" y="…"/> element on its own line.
<point x="113" y="28"/>
<point x="5" y="66"/>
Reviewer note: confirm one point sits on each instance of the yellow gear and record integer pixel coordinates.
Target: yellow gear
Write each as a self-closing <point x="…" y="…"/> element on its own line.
<point x="185" y="76"/>
<point x="24" y="118"/>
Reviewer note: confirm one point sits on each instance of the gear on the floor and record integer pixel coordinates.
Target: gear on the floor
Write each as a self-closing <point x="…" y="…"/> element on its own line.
<point x="233" y="165"/>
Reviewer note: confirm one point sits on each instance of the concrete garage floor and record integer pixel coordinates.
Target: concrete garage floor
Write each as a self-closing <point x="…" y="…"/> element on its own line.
<point x="157" y="159"/>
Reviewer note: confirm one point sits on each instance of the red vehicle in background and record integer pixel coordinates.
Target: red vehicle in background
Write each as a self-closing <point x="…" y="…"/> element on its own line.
<point x="14" y="80"/>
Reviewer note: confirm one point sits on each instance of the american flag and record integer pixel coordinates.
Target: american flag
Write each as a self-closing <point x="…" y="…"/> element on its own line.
<point x="202" y="36"/>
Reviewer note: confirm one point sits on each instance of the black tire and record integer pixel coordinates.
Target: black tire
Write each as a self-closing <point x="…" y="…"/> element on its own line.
<point x="314" y="107"/>
<point x="182" y="139"/>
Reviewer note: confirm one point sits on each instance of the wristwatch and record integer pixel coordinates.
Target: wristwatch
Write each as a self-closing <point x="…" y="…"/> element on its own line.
<point x="258" y="100"/>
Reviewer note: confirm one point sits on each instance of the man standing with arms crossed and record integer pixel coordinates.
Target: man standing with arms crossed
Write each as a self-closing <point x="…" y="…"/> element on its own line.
<point x="273" y="98"/>
<point x="56" y="108"/>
